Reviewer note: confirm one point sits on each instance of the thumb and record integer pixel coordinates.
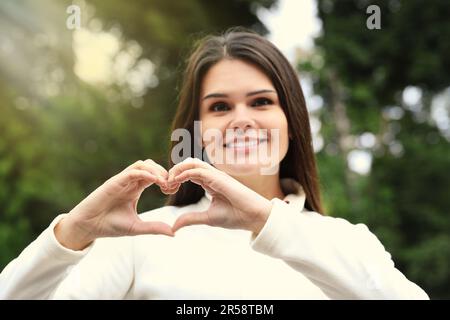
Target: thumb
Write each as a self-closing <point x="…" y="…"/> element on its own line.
<point x="191" y="218"/>
<point x="151" y="227"/>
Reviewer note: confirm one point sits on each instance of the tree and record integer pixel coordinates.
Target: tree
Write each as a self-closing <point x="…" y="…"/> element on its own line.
<point x="61" y="137"/>
<point x="363" y="76"/>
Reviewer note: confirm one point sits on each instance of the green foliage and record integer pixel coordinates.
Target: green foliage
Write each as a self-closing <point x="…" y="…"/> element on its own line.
<point x="404" y="200"/>
<point x="55" y="150"/>
<point x="419" y="186"/>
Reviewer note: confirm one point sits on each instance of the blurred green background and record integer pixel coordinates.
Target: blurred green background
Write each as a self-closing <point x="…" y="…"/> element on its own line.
<point x="77" y="106"/>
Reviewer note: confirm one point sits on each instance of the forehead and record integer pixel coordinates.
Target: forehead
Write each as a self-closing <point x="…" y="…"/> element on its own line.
<point x="234" y="75"/>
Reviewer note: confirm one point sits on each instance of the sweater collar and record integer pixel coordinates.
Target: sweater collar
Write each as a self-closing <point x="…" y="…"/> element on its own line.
<point x="295" y="194"/>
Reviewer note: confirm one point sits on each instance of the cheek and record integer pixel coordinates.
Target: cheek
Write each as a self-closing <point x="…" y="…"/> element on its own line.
<point x="211" y="130"/>
<point x="281" y="124"/>
<point x="285" y="130"/>
<point x="284" y="137"/>
<point x="283" y="134"/>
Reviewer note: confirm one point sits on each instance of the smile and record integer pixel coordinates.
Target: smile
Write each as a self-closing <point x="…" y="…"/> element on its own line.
<point x="241" y="144"/>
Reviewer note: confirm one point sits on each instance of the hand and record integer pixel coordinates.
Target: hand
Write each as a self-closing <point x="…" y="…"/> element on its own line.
<point x="110" y="210"/>
<point x="233" y="205"/>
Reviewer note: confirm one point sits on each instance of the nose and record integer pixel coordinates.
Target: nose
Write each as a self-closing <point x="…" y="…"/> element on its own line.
<point x="242" y="118"/>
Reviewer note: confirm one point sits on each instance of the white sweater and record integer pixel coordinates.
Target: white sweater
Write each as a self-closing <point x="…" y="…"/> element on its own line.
<point x="298" y="254"/>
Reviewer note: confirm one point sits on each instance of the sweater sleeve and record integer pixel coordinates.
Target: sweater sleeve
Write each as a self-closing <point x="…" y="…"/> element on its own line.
<point x="41" y="266"/>
<point x="47" y="270"/>
<point x="345" y="261"/>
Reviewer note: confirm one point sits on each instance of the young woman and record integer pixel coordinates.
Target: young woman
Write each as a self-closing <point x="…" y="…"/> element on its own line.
<point x="230" y="230"/>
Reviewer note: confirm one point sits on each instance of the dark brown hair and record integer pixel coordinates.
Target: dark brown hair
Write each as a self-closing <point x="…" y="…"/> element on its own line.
<point x="238" y="43"/>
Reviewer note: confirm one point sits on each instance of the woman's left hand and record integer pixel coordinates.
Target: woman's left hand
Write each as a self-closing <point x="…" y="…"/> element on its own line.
<point x="233" y="205"/>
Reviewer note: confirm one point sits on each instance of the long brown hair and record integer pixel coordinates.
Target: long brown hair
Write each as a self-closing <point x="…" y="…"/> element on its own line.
<point x="239" y="43"/>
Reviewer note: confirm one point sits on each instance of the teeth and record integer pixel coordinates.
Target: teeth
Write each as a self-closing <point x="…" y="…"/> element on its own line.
<point x="242" y="144"/>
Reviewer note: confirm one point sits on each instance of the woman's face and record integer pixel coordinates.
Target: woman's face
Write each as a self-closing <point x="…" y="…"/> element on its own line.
<point x="244" y="128"/>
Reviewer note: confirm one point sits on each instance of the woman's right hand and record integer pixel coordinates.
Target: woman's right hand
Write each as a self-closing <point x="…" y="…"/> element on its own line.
<point x="110" y="210"/>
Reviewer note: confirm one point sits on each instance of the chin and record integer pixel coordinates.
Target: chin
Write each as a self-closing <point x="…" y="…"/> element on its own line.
<point x="236" y="170"/>
<point x="244" y="164"/>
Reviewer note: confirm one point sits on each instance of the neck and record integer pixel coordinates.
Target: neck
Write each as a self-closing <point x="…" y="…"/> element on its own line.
<point x="266" y="185"/>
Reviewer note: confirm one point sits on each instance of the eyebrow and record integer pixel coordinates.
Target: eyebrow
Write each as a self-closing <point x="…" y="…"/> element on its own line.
<point x="223" y="95"/>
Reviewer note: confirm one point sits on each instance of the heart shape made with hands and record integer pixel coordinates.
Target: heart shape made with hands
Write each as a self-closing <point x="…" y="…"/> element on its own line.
<point x="233" y="205"/>
<point x="168" y="181"/>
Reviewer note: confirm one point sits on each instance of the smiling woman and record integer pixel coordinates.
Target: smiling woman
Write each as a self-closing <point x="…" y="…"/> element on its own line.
<point x="230" y="230"/>
<point x="241" y="81"/>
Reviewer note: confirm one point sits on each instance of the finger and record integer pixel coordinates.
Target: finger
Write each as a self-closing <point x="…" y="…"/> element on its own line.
<point x="132" y="175"/>
<point x="171" y="190"/>
<point x="135" y="165"/>
<point x="153" y="168"/>
<point x="177" y="187"/>
<point x="156" y="169"/>
<point x="191" y="218"/>
<point x="199" y="174"/>
<point x="197" y="181"/>
<point x="151" y="227"/>
<point x="159" y="168"/>
<point x="186" y="164"/>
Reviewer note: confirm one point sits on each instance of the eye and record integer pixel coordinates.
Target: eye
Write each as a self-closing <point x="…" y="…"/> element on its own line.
<point x="262" y="102"/>
<point x="219" y="106"/>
